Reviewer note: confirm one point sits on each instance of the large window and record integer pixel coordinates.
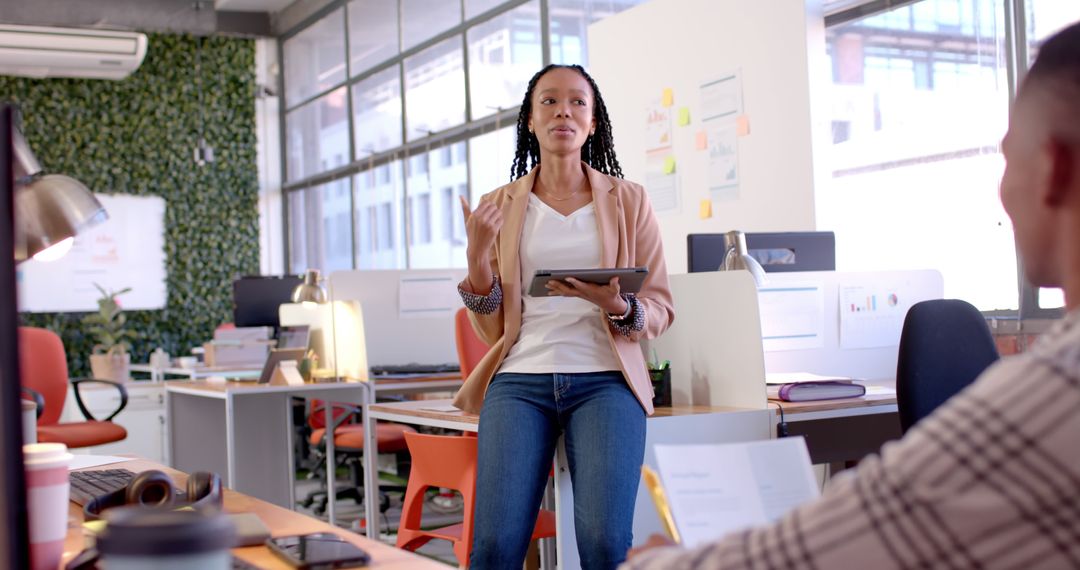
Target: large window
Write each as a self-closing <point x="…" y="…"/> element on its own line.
<point x="396" y="108"/>
<point x="378" y="217"/>
<point x="919" y="105"/>
<point x="321" y="232"/>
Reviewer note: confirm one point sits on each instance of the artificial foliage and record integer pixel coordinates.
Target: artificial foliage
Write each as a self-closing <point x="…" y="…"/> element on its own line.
<point x="137" y="136"/>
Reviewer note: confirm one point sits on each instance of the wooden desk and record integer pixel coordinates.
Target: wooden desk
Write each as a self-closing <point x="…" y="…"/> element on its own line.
<point x="844" y="430"/>
<point x="681" y="424"/>
<point x="281" y="522"/>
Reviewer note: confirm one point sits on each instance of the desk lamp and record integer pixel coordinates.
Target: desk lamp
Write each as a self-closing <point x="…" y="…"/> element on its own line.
<point x="309" y="291"/>
<point x="736" y="256"/>
<point x="49" y="208"/>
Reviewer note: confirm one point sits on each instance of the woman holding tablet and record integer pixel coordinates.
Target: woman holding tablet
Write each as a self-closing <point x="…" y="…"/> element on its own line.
<point x="567" y="363"/>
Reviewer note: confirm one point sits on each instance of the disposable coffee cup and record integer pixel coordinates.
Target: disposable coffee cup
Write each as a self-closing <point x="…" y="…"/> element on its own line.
<point x="138" y="537"/>
<point x="46" y="467"/>
<point x="29" y="421"/>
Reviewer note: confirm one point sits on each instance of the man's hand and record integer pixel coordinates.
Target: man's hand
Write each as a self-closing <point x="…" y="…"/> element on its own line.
<point x="655" y="541"/>
<point x="604" y="296"/>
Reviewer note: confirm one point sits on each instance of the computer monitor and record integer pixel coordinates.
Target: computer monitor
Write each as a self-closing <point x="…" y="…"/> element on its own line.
<point x="777" y="252"/>
<point x="256" y="299"/>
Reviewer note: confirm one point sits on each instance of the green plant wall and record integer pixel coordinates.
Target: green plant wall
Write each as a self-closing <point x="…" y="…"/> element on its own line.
<point x="137" y="136"/>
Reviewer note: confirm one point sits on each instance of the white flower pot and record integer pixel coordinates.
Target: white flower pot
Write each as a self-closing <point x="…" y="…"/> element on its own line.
<point x="110" y="366"/>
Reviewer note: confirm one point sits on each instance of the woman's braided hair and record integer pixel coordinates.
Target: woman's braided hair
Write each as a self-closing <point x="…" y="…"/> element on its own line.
<point x="599" y="149"/>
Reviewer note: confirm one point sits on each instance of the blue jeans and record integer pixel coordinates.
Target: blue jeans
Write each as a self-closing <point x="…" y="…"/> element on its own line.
<point x="520" y="422"/>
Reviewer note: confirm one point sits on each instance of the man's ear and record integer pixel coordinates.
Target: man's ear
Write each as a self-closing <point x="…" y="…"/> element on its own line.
<point x="1063" y="171"/>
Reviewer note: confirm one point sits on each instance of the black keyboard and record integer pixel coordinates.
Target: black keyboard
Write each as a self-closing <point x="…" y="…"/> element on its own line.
<point x="86" y="485"/>
<point x="415" y="368"/>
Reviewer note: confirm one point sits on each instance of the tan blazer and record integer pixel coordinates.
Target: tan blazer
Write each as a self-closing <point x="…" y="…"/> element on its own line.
<point x="629" y="237"/>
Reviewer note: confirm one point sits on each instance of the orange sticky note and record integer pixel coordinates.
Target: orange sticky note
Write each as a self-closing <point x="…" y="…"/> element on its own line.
<point x="684" y="116"/>
<point x="669" y="165"/>
<point x="668" y="98"/>
<point x="742" y="126"/>
<point x="701" y="141"/>
<point x="705" y="209"/>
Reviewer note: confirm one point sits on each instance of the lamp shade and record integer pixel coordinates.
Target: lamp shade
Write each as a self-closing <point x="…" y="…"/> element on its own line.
<point x="309" y="291"/>
<point x="50" y="209"/>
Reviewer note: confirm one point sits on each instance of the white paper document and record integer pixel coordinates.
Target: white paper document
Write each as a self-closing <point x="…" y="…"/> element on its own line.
<point x="424" y="297"/>
<point x="792" y="316"/>
<point x="872" y="309"/>
<point x="720" y="488"/>
<point x="799" y="377"/>
<point x="79" y="461"/>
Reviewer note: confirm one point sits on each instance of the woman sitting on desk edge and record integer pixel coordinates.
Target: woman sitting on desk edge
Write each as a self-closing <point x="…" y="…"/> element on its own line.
<point x="570" y="363"/>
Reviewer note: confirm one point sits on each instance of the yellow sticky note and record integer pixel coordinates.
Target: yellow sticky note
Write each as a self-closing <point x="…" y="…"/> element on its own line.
<point x="705" y="209"/>
<point x="668" y="98"/>
<point x="701" y="141"/>
<point x="742" y="126"/>
<point x="684" y="116"/>
<point x="669" y="165"/>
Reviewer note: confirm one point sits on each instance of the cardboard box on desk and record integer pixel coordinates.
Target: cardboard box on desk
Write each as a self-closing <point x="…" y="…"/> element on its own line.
<point x="233" y="353"/>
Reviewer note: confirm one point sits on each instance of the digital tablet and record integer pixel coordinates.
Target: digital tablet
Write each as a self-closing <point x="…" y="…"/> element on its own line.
<point x="630" y="278"/>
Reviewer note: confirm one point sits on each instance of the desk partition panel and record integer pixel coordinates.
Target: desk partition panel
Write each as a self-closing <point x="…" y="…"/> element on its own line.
<point x="408" y="314"/>
<point x="715" y="343"/>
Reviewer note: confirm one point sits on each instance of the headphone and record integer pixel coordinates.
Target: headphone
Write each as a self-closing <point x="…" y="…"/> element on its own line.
<point x="154" y="488"/>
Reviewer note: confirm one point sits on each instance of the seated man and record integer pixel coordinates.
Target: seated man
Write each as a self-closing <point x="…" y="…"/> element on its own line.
<point x="992" y="478"/>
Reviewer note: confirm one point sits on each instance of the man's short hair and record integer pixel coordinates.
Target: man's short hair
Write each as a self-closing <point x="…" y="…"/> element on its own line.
<point x="1058" y="61"/>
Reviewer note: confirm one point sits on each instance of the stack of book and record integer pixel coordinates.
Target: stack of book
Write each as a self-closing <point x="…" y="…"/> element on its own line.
<point x="805" y="387"/>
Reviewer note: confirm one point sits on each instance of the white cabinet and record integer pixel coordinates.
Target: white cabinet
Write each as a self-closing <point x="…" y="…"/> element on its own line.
<point x="143" y="417"/>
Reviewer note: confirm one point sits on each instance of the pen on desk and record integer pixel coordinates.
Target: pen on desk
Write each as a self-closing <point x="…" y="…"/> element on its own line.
<point x="663" y="508"/>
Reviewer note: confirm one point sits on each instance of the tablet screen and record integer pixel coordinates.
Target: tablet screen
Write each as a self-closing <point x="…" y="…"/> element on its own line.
<point x="630" y="278"/>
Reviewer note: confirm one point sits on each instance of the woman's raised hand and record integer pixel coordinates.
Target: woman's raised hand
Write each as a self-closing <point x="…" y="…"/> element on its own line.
<point x="481" y="226"/>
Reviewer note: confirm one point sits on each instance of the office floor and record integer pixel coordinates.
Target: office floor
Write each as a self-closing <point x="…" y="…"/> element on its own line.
<point x="350" y="513"/>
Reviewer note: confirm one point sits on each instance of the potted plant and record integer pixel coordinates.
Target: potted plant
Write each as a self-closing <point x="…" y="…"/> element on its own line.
<point x="110" y="358"/>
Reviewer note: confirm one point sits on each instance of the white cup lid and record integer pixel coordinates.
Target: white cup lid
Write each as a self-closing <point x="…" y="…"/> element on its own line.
<point x="45" y="454"/>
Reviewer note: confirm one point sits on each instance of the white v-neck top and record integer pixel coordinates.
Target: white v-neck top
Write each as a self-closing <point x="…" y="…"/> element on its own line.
<point x="559" y="334"/>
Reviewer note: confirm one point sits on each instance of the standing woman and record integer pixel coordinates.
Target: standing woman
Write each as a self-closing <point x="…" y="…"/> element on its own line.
<point x="566" y="364"/>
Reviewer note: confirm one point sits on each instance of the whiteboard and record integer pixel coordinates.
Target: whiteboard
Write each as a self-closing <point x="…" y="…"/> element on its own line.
<point x="127" y="250"/>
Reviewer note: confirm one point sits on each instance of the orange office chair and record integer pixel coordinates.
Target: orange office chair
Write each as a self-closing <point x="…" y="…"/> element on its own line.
<point x="448" y="462"/>
<point x="470" y="348"/>
<point x="44" y="371"/>
<point x="349" y="448"/>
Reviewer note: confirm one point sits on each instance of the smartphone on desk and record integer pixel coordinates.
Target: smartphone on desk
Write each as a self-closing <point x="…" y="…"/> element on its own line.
<point x="318" y="550"/>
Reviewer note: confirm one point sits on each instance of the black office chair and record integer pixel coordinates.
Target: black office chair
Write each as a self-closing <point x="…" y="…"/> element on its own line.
<point x="944" y="346"/>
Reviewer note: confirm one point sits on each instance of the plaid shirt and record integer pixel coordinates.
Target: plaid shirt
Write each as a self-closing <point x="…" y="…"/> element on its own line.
<point x="990" y="480"/>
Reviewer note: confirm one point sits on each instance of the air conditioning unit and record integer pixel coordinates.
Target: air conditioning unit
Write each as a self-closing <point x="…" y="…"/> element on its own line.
<point x="33" y="51"/>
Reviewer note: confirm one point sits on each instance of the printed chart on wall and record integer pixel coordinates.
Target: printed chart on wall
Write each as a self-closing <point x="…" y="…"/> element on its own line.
<point x="872" y="310"/>
<point x="792" y="316"/>
<point x="661" y="180"/>
<point x="721" y="106"/>
<point x="127" y="250"/>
